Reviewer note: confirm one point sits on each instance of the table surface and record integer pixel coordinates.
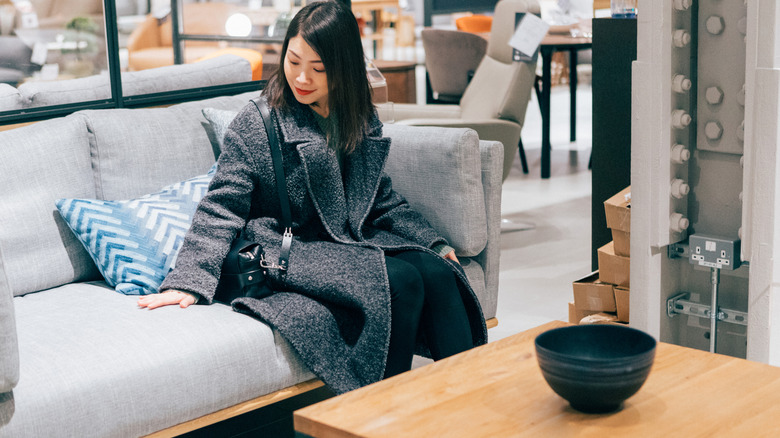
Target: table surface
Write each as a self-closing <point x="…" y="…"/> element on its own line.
<point x="497" y="390"/>
<point x="566" y="41"/>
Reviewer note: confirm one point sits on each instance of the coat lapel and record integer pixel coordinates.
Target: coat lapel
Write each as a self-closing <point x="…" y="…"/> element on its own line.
<point x="323" y="176"/>
<point x="338" y="204"/>
<point x="363" y="173"/>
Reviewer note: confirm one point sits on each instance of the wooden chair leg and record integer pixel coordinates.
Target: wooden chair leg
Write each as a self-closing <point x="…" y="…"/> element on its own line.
<point x="522" y="156"/>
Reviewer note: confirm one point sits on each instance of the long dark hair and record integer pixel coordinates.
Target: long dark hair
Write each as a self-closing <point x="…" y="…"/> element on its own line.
<point x="331" y="30"/>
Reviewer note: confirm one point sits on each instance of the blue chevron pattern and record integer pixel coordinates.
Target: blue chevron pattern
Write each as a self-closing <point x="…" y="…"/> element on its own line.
<point x="134" y="243"/>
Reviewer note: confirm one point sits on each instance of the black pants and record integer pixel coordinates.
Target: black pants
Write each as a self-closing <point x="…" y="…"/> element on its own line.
<point x="424" y="295"/>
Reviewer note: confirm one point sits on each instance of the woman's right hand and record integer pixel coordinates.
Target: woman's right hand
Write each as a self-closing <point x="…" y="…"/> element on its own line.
<point x="167" y="298"/>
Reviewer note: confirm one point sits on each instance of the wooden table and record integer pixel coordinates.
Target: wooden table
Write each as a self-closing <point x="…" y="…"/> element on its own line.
<point x="551" y="44"/>
<point x="497" y="390"/>
<point x="400" y="77"/>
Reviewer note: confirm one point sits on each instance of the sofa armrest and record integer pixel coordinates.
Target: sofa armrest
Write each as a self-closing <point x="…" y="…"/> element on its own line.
<point x="492" y="154"/>
<point x="403" y="111"/>
<point x="9" y="348"/>
<point x="505" y="131"/>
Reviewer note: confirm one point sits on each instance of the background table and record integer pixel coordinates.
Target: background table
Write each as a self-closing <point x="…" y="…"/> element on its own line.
<point x="400" y="77"/>
<point x="497" y="390"/>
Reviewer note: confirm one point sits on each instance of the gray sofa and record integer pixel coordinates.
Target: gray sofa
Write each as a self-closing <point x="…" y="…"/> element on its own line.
<point x="79" y="359"/>
<point x="225" y="69"/>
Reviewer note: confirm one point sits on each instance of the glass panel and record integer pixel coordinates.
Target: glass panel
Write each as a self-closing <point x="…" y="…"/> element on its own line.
<point x="45" y="45"/>
<point x="251" y="29"/>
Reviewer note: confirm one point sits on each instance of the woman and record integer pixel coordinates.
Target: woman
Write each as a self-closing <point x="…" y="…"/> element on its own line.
<point x="364" y="270"/>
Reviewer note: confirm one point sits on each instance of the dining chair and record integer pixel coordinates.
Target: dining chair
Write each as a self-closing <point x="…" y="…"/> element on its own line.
<point x="495" y="100"/>
<point x="476" y="23"/>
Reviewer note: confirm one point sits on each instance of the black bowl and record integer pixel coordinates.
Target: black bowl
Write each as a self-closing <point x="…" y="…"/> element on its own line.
<point x="595" y="367"/>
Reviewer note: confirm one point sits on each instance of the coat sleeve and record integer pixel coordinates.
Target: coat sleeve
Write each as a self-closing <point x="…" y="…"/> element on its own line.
<point x="220" y="215"/>
<point x="392" y="213"/>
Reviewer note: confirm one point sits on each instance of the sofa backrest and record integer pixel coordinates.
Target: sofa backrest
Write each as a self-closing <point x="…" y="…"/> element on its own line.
<point x="99" y="154"/>
<point x="222" y="70"/>
<point x="38" y="164"/>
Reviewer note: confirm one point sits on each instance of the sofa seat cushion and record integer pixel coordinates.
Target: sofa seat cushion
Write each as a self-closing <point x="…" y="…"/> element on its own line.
<point x="85" y="352"/>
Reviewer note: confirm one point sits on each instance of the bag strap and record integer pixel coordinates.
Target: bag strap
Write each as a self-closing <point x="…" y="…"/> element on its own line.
<point x="281" y="187"/>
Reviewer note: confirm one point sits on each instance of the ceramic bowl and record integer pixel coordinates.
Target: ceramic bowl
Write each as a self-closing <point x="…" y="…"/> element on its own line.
<point x="595" y="367"/>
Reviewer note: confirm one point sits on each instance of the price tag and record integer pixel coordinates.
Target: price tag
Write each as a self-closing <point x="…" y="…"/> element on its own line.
<point x="529" y="34"/>
<point x="39" y="53"/>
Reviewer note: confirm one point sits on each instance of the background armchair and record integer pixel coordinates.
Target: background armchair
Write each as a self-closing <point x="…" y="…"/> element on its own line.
<point x="151" y="43"/>
<point x="496" y="99"/>
<point x="451" y="59"/>
<point x="474" y="23"/>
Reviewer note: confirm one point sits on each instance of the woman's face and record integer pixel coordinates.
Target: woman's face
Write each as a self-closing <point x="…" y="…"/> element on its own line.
<point x="306" y="75"/>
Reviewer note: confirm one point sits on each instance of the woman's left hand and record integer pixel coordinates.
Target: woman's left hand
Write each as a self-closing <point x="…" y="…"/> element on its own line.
<point x="451" y="256"/>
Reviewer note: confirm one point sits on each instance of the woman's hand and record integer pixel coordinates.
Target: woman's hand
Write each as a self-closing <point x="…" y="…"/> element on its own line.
<point x="167" y="298"/>
<point x="451" y="256"/>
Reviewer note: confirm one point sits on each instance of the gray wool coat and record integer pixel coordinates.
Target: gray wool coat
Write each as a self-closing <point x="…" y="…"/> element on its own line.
<point x="333" y="304"/>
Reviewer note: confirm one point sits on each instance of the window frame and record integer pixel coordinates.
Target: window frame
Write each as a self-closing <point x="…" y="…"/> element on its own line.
<point x="118" y="100"/>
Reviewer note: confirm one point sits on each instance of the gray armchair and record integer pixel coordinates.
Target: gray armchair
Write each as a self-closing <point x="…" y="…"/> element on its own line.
<point x="496" y="98"/>
<point x="451" y="59"/>
<point x="15" y="63"/>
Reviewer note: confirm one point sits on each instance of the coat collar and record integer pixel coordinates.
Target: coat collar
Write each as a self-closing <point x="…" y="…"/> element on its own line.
<point x="340" y="205"/>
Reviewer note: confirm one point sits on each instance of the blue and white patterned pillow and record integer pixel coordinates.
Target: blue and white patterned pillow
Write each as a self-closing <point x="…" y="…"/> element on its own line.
<point x="134" y="243"/>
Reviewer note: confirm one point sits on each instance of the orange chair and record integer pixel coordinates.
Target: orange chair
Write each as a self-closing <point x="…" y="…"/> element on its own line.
<point x="254" y="57"/>
<point x="474" y="23"/>
<point x="151" y="43"/>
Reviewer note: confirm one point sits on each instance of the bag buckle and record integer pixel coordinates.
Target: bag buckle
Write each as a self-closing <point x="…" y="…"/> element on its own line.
<point x="265" y="264"/>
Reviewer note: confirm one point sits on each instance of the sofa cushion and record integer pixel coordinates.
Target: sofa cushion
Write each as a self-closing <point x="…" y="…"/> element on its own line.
<point x="226" y="69"/>
<point x="135" y="242"/>
<point x="137" y="151"/>
<point x="90" y="356"/>
<point x="10" y="98"/>
<point x="46" y="93"/>
<point x="39" y="164"/>
<point x="219" y="120"/>
<point x="442" y="181"/>
<point x="222" y="70"/>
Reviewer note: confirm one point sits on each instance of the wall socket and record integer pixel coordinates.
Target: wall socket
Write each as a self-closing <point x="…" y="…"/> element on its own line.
<point x="714" y="252"/>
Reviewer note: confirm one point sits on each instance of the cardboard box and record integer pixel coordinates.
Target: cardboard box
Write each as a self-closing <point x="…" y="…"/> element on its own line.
<point x="618" y="210"/>
<point x="613" y="268"/>
<point x="622" y="241"/>
<point x="622" y="296"/>
<point x="575" y="315"/>
<point x="590" y="294"/>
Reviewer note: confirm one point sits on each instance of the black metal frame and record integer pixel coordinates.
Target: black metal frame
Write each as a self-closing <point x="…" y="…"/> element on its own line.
<point x="118" y="100"/>
<point x="477" y="7"/>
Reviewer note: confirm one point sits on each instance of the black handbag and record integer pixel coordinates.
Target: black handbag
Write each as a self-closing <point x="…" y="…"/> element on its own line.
<point x="245" y="269"/>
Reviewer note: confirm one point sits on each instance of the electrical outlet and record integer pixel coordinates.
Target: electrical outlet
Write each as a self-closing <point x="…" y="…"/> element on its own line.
<point x="714" y="252"/>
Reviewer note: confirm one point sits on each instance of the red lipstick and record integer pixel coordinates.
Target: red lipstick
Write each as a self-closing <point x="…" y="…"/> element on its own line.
<point x="303" y="92"/>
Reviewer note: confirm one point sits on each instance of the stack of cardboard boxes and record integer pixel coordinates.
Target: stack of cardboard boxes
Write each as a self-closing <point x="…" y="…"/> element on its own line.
<point x="603" y="295"/>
